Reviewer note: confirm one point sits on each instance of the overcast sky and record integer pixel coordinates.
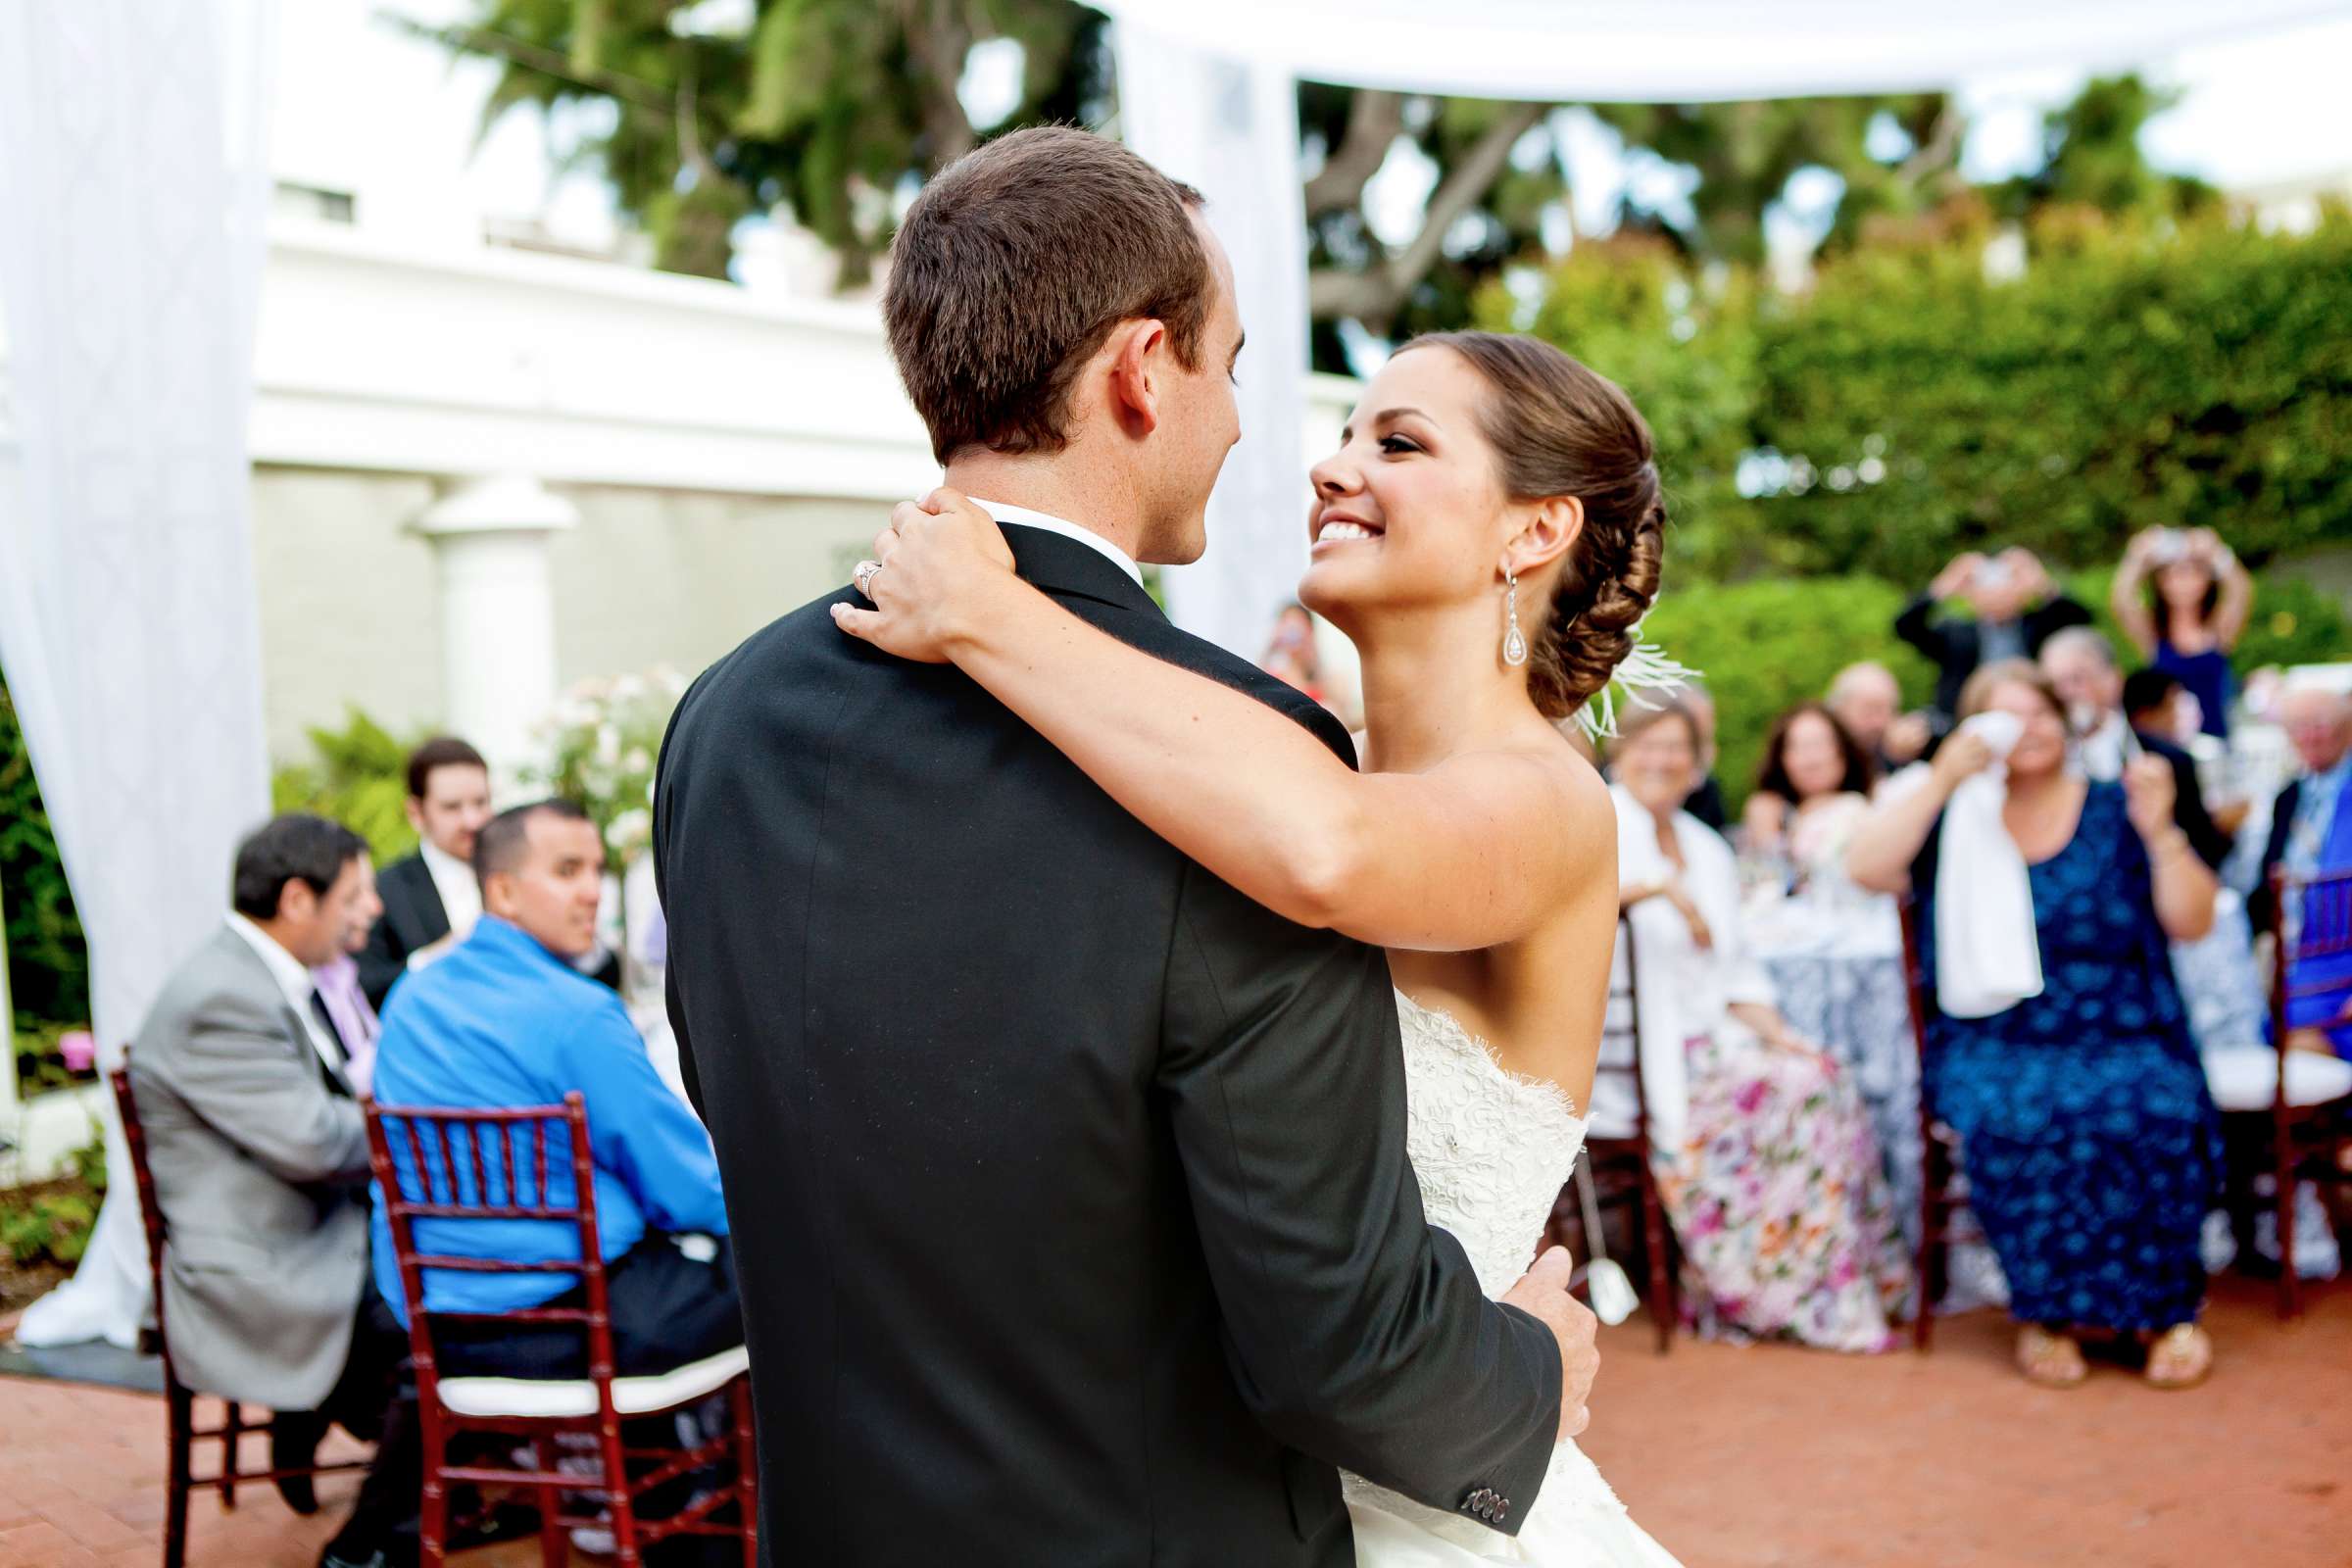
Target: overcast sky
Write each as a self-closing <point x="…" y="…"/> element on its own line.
<point x="361" y="108"/>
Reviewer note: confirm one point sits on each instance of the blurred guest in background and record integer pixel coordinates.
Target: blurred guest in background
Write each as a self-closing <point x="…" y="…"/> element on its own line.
<point x="260" y="1157"/>
<point x="2087" y="1132"/>
<point x="2158" y="707"/>
<point x="1706" y="798"/>
<point x="2081" y="667"/>
<point x="431" y="900"/>
<point x="505" y="1021"/>
<point x="1771" y="1175"/>
<point x="1812" y="791"/>
<point x="2310" y="834"/>
<point x="2182" y="595"/>
<point x="2013" y="606"/>
<point x="1869" y="702"/>
<point x="1291" y="652"/>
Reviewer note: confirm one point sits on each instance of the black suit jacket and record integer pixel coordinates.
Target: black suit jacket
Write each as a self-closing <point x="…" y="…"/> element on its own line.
<point x="1957" y="646"/>
<point x="2205" y="835"/>
<point x="413" y="918"/>
<point x="1068" y="1188"/>
<point x="2261" y="906"/>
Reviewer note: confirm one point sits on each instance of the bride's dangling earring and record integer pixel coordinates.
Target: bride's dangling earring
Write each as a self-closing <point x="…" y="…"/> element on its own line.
<point x="1514" y="646"/>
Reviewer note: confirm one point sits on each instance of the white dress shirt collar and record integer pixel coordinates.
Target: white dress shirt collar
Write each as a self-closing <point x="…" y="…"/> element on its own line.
<point x="2105" y="750"/>
<point x="1068" y="530"/>
<point x="453" y="880"/>
<point x="293" y="981"/>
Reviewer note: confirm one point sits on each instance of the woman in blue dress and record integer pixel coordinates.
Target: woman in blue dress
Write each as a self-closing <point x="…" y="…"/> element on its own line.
<point x="2085" y="1129"/>
<point x="2182" y="595"/>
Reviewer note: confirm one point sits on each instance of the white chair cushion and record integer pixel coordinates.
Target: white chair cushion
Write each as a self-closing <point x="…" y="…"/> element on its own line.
<point x="2246" y="1077"/>
<point x="554" y="1398"/>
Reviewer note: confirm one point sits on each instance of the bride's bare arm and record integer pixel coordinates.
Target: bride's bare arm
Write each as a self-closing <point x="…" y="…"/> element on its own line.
<point x="1471" y="852"/>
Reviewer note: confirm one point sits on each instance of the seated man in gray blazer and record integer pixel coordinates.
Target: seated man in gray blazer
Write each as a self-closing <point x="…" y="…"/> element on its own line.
<point x="260" y="1156"/>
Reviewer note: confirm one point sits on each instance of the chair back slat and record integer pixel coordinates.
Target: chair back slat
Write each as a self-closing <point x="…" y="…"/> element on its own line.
<point x="1915" y="987"/>
<point x="1621" y="1042"/>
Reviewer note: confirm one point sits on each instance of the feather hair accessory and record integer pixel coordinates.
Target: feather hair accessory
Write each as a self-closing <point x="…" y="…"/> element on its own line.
<point x="1647" y="677"/>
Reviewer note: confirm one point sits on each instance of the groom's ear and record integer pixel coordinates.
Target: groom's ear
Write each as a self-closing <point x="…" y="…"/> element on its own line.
<point x="1138" y="365"/>
<point x="1548" y="528"/>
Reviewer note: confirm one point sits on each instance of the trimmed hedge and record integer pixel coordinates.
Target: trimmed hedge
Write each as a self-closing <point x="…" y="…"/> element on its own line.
<point x="1907" y="407"/>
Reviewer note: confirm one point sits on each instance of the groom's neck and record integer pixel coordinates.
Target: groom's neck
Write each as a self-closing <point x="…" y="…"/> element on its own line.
<point x="1059" y="485"/>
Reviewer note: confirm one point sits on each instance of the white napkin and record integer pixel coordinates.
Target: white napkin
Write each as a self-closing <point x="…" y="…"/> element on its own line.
<point x="1987" y="955"/>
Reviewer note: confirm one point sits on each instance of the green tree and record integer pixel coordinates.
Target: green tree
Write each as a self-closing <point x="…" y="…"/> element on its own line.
<point x="2092" y="157"/>
<point x="1497" y="171"/>
<point x="1743" y="156"/>
<point x="820" y="108"/>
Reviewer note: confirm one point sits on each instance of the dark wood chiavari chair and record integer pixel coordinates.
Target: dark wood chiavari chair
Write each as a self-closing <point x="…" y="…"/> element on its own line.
<point x="2309" y="1130"/>
<point x="179" y="1401"/>
<point x="440" y="1149"/>
<point x="1620" y="1165"/>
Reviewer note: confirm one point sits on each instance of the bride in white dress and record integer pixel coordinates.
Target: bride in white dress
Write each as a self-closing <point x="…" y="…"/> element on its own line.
<point x="1490" y="535"/>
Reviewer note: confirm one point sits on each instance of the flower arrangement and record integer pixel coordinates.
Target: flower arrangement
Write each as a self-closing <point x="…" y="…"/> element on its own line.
<point x="602" y="740"/>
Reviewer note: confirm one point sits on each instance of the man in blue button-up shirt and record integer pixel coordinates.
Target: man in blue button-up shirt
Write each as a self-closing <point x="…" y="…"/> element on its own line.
<point x="505" y="1021"/>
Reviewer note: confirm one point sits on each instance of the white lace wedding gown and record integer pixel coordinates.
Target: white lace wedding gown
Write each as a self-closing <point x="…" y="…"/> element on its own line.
<point x="1491" y="1150"/>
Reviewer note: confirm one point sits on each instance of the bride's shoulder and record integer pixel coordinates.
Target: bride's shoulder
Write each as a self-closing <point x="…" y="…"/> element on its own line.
<point x="1582" y="822"/>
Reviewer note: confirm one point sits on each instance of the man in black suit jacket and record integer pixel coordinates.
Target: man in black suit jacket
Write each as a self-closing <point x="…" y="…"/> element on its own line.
<point x="2149" y="698"/>
<point x="2014" y="606"/>
<point x="449" y="800"/>
<point x="1067" y="1188"/>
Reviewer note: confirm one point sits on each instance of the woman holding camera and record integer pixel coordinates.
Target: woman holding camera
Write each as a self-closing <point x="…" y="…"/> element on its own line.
<point x="2182" y="595"/>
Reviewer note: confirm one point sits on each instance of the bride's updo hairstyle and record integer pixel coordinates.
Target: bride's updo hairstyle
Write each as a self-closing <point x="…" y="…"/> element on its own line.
<point x="1562" y="431"/>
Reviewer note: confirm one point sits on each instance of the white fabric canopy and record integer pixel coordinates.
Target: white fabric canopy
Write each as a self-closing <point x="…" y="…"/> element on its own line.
<point x="1690" y="51"/>
<point x="131" y="201"/>
<point x="1231" y="129"/>
<point x="1205" y="88"/>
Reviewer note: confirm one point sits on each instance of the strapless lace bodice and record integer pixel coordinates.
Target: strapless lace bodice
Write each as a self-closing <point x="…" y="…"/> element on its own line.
<point x="1492" y="1150"/>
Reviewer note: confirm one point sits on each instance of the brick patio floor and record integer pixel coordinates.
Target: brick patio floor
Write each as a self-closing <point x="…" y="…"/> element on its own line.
<point x="1764" y="1458"/>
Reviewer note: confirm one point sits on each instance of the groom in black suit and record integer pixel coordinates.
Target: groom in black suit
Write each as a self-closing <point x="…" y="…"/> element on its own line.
<point x="1068" y="1189"/>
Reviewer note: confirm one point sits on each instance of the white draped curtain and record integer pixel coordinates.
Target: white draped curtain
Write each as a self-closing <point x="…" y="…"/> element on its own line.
<point x="1230" y="128"/>
<point x="1206" y="92"/>
<point x="132" y="188"/>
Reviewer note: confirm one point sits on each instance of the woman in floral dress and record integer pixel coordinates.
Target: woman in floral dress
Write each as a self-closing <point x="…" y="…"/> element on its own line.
<point x="1771" y="1176"/>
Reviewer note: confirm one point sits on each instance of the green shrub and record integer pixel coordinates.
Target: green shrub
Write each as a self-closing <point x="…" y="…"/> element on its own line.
<point x="51" y="1221"/>
<point x="1762" y="647"/>
<point x="360" y="779"/>
<point x="48" y="962"/>
<point x="1905" y="408"/>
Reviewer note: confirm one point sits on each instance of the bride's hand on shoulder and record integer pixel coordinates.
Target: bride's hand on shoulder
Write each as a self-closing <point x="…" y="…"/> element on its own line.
<point x="933" y="575"/>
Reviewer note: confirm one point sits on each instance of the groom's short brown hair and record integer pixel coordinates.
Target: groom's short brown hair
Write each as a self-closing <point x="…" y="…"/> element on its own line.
<point x="1014" y="266"/>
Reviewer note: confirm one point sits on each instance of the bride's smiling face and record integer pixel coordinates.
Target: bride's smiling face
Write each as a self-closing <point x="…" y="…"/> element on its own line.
<point x="1410" y="512"/>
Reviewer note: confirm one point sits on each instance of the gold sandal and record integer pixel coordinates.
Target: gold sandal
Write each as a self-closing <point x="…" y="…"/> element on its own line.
<point x="2051" y="1360"/>
<point x="2180" y="1357"/>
